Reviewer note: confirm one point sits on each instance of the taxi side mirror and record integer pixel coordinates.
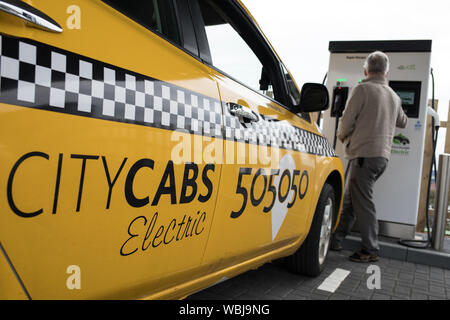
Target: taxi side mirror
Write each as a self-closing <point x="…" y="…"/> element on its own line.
<point x="313" y="97"/>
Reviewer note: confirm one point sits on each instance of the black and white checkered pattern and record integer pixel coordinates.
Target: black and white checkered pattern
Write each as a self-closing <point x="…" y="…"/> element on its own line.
<point x="272" y="132"/>
<point x="44" y="77"/>
<point x="36" y="75"/>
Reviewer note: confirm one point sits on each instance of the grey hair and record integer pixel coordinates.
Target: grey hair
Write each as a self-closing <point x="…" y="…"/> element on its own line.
<point x="377" y="62"/>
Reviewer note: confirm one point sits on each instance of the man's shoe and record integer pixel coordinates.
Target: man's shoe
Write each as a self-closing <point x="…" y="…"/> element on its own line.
<point x="364" y="257"/>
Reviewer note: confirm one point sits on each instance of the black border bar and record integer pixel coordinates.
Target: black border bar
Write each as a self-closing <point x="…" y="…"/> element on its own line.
<point x="385" y="46"/>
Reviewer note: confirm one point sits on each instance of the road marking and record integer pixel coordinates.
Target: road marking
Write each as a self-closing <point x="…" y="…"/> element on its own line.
<point x="334" y="280"/>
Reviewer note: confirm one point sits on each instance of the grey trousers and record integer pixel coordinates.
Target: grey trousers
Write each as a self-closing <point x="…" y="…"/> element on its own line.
<point x="358" y="203"/>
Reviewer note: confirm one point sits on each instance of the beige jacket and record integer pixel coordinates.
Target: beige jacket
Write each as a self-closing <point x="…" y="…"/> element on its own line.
<point x="368" y="124"/>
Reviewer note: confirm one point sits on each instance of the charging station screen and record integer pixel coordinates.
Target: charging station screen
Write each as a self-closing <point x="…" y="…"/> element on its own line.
<point x="407" y="97"/>
<point x="409" y="93"/>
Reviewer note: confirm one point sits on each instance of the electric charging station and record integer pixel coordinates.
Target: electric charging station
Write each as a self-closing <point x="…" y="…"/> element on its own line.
<point x="396" y="193"/>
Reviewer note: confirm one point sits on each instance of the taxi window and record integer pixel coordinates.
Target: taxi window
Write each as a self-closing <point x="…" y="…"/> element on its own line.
<point x="157" y="15"/>
<point x="230" y="52"/>
<point x="293" y="92"/>
<point x="292" y="88"/>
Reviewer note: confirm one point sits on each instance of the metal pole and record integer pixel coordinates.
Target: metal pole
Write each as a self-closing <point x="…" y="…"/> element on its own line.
<point x="441" y="207"/>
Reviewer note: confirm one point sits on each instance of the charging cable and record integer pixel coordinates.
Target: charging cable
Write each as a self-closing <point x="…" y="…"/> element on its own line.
<point x="435" y="123"/>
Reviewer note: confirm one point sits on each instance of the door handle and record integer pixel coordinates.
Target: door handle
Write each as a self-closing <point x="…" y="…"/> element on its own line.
<point x="243" y="113"/>
<point x="28" y="13"/>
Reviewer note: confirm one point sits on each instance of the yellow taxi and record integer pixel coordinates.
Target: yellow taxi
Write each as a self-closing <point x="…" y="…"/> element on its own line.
<point x="150" y="149"/>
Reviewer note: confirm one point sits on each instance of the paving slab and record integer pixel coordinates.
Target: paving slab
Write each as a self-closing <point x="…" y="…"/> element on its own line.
<point x="399" y="280"/>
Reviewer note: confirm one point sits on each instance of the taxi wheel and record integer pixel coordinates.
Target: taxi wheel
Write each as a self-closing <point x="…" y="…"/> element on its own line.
<point x="310" y="258"/>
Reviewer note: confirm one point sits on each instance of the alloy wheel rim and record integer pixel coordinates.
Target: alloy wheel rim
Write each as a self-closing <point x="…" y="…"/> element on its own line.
<point x="325" y="230"/>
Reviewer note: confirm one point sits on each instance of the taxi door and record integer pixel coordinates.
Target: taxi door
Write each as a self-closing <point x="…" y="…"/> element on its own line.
<point x="102" y="109"/>
<point x="265" y="186"/>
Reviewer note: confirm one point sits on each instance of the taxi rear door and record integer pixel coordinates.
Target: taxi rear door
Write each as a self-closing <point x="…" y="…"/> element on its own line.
<point x="99" y="126"/>
<point x="269" y="152"/>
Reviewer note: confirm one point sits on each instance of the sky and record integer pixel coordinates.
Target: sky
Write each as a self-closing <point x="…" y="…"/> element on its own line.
<point x="300" y="32"/>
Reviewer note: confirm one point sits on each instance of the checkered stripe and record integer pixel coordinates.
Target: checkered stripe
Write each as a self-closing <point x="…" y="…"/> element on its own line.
<point x="40" y="76"/>
<point x="272" y="132"/>
<point x="36" y="75"/>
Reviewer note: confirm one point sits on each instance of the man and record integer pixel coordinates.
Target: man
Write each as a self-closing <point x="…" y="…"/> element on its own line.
<point x="366" y="129"/>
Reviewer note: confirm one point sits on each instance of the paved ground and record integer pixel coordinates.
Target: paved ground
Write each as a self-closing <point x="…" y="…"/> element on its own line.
<point x="399" y="280"/>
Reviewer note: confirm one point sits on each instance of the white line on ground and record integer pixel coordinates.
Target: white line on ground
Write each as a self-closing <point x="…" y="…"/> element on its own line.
<point x="334" y="280"/>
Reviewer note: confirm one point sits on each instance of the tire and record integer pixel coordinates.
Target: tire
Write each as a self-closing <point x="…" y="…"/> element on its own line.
<point x="310" y="258"/>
